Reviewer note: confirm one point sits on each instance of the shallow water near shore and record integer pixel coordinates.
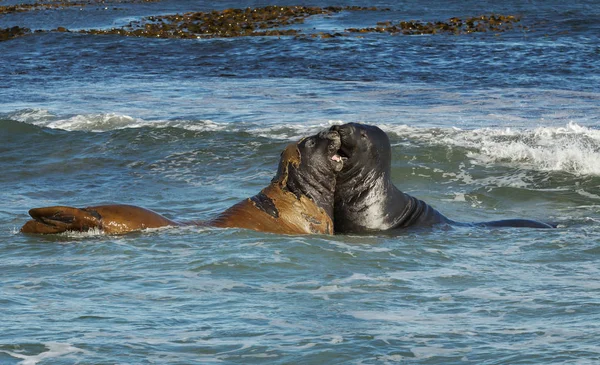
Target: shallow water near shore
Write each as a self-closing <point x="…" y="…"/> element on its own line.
<point x="483" y="127"/>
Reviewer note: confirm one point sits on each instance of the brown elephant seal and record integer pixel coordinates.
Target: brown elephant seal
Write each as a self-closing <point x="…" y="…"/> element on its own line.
<point x="299" y="200"/>
<point x="366" y="199"/>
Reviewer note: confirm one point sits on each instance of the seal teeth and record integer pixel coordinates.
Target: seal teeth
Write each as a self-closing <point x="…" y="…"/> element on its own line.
<point x="336" y="158"/>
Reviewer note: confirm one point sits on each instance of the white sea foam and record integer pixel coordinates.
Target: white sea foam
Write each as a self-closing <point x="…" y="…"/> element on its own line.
<point x="290" y="131"/>
<point x="103" y="122"/>
<point x="405" y="316"/>
<point x="93" y="232"/>
<point x="427" y="352"/>
<point x="54" y="350"/>
<point x="573" y="148"/>
<point x="587" y="194"/>
<point x="86" y="122"/>
<point x="32" y="116"/>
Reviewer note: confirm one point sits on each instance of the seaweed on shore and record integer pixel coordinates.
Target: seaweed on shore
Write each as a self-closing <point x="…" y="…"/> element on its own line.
<point x="263" y="21"/>
<point x="267" y="21"/>
<point x="9" y="33"/>
<point x="226" y="23"/>
<point x="61" y="4"/>
<point x="478" y="24"/>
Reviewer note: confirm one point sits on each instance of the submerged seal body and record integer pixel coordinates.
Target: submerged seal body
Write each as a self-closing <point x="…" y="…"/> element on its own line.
<point x="366" y="200"/>
<point x="299" y="200"/>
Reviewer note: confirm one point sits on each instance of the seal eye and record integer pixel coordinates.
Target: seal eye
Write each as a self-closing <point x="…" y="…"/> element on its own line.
<point x="363" y="134"/>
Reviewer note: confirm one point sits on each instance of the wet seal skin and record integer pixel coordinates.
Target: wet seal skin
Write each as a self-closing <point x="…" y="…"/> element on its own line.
<point x="266" y="204"/>
<point x="299" y="200"/>
<point x="366" y="200"/>
<point x="110" y="219"/>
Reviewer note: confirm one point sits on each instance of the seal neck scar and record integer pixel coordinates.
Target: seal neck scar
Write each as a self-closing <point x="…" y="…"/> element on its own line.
<point x="289" y="156"/>
<point x="299" y="177"/>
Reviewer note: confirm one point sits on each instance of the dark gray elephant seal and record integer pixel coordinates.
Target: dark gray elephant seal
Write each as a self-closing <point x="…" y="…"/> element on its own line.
<point x="366" y="200"/>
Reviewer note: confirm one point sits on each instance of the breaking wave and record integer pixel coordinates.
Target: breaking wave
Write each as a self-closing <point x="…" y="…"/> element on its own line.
<point x="53" y="350"/>
<point x="105" y="122"/>
<point x="571" y="148"/>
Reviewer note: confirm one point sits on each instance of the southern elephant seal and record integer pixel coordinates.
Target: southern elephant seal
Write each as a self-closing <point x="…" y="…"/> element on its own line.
<point x="299" y="200"/>
<point x="366" y="200"/>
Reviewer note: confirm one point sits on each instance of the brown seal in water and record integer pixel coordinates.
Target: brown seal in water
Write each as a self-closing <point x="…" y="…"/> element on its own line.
<point x="366" y="199"/>
<point x="299" y="200"/>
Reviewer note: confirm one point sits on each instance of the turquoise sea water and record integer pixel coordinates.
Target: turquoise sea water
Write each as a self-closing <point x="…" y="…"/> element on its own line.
<point x="483" y="126"/>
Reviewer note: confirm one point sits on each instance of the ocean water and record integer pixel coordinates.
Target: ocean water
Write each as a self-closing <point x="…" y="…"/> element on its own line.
<point x="483" y="126"/>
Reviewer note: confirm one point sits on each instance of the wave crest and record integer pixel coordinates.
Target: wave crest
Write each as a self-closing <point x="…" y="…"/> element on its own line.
<point x="105" y="122"/>
<point x="573" y="148"/>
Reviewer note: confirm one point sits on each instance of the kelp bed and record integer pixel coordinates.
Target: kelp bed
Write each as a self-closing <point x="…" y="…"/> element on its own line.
<point x="265" y="21"/>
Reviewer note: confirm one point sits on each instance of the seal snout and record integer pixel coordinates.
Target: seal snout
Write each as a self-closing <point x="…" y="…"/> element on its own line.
<point x="345" y="133"/>
<point x="344" y="130"/>
<point x="329" y="134"/>
<point x="334" y="140"/>
<point x="333" y="148"/>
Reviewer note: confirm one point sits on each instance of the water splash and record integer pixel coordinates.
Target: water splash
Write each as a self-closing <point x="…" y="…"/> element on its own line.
<point x="573" y="148"/>
<point x="105" y="122"/>
<point x="54" y="350"/>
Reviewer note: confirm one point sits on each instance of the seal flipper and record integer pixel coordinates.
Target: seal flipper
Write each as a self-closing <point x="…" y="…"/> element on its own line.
<point x="57" y="219"/>
<point x="528" y="223"/>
